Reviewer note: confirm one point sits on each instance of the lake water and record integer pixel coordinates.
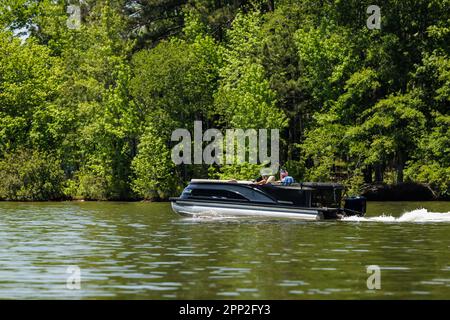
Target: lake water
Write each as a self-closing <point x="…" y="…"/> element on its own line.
<point x="145" y="251"/>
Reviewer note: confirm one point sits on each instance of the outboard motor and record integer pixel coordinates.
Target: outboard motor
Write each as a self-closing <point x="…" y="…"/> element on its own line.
<point x="355" y="206"/>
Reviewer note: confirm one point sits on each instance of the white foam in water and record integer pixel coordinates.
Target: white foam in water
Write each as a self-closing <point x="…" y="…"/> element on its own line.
<point x="418" y="215"/>
<point x="209" y="215"/>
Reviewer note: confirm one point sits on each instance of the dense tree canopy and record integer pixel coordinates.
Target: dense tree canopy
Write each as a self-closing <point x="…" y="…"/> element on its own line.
<point x="87" y="111"/>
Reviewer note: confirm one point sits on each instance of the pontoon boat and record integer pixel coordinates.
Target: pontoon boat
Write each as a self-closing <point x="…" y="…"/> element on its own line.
<point x="307" y="200"/>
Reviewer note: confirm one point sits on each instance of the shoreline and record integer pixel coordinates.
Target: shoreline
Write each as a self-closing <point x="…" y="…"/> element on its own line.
<point x="380" y="192"/>
<point x="167" y="201"/>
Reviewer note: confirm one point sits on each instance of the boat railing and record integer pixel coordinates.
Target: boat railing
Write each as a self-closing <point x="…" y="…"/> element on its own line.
<point x="221" y="181"/>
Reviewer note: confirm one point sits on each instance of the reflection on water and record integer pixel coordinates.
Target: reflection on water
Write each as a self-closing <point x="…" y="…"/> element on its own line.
<point x="143" y="250"/>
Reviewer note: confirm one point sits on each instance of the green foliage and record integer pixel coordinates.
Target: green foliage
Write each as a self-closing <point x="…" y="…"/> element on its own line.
<point x="154" y="175"/>
<point x="327" y="58"/>
<point x="244" y="98"/>
<point x="92" y="184"/>
<point x="433" y="174"/>
<point x="433" y="77"/>
<point x="360" y="91"/>
<point x="390" y="128"/>
<point x="174" y="81"/>
<point x="296" y="169"/>
<point x="28" y="81"/>
<point x="431" y="162"/>
<point x="351" y="104"/>
<point x="248" y="102"/>
<point x="98" y="120"/>
<point x="323" y="145"/>
<point x="30" y="176"/>
<point x="150" y="21"/>
<point x="354" y="183"/>
<point x="243" y="171"/>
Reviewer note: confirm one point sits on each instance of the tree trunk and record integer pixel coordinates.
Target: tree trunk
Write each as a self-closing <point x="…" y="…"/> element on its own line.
<point x="399" y="167"/>
<point x="367" y="174"/>
<point x="378" y="173"/>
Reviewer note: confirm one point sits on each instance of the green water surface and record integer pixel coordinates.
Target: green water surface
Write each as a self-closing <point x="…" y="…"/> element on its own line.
<point x="145" y="251"/>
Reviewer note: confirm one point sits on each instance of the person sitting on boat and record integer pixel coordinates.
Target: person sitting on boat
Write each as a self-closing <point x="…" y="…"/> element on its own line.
<point x="260" y="180"/>
<point x="285" y="178"/>
<point x="265" y="179"/>
<point x="266" y="176"/>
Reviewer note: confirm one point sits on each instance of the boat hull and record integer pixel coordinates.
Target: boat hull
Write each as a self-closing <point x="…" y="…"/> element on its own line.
<point x="196" y="208"/>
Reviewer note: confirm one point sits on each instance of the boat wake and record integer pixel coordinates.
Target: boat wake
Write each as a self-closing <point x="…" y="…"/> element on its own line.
<point x="418" y="215"/>
<point x="209" y="216"/>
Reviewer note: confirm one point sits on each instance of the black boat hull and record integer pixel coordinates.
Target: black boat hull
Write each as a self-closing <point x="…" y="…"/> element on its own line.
<point x="205" y="208"/>
<point x="307" y="201"/>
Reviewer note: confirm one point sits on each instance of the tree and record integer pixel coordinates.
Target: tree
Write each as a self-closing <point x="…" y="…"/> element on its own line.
<point x="154" y="172"/>
<point x="27" y="175"/>
<point x="29" y="79"/>
<point x="430" y="163"/>
<point x="389" y="132"/>
<point x="244" y="98"/>
<point x="352" y="104"/>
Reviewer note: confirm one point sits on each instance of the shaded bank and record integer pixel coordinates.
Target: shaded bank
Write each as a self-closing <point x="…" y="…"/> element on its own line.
<point x="400" y="192"/>
<point x="373" y="192"/>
